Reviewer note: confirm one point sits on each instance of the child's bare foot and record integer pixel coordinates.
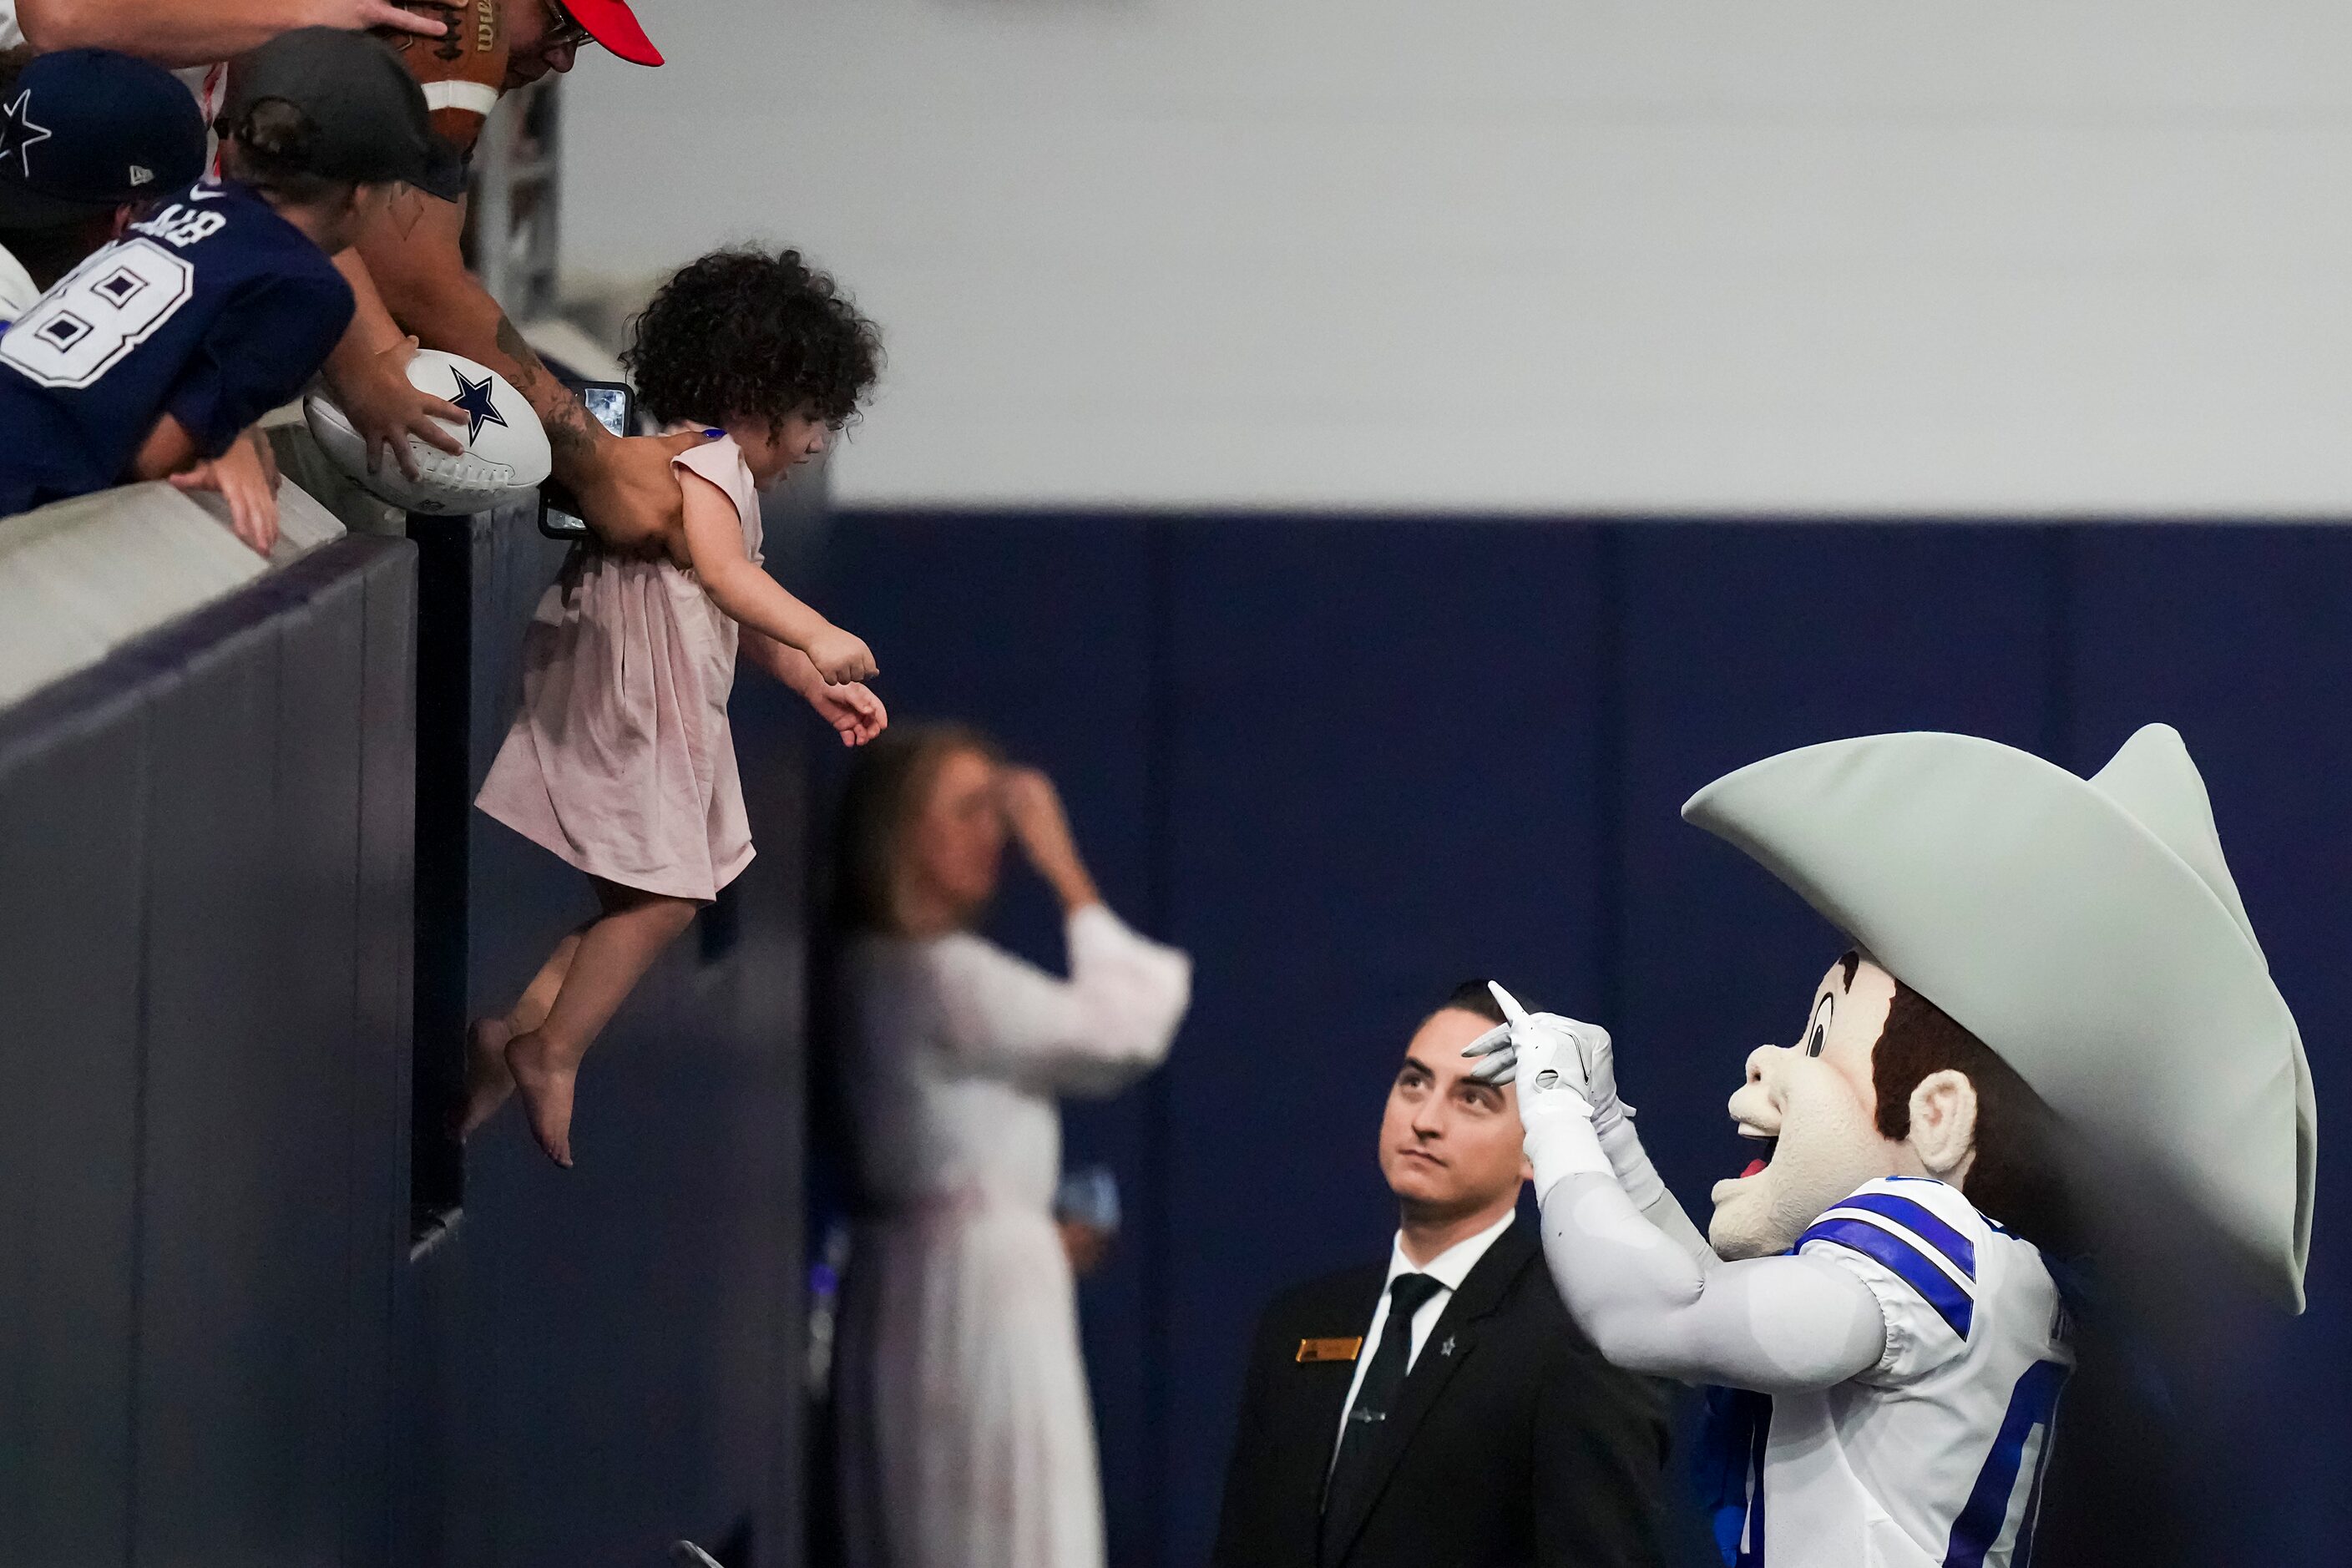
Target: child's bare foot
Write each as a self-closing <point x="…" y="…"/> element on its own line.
<point x="488" y="1082"/>
<point x="544" y="1077"/>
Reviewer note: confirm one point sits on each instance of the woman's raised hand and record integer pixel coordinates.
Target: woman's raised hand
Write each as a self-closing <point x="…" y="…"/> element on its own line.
<point x="1032" y="809"/>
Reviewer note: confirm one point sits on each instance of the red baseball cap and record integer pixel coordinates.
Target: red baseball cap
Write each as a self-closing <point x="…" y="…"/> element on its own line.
<point x="612" y="24"/>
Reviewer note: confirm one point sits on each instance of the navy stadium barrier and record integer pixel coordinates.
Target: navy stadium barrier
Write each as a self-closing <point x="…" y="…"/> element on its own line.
<point x="203" y="1078"/>
<point x="244" y="911"/>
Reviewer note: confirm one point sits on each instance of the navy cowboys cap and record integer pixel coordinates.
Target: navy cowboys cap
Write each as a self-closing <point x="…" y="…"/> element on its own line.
<point x="372" y="125"/>
<point x="82" y="131"/>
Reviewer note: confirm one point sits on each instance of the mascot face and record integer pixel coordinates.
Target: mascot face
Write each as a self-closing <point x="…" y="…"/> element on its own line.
<point x="1814" y="1107"/>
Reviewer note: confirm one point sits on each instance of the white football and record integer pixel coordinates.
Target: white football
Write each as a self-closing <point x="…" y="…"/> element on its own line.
<point x="506" y="454"/>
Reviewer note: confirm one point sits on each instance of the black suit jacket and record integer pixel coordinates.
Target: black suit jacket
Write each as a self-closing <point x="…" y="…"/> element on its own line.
<point x="1514" y="1444"/>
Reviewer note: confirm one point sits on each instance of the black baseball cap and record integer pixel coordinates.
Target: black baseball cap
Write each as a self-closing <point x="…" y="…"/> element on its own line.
<point x="86" y="130"/>
<point x="372" y="125"/>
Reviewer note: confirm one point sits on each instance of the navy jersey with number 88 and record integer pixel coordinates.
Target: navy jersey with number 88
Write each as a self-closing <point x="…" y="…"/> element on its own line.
<point x="214" y="309"/>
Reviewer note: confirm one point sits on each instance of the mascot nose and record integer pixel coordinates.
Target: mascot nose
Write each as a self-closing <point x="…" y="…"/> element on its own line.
<point x="1753" y="1108"/>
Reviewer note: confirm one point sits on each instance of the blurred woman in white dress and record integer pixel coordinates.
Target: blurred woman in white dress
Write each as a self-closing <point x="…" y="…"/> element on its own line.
<point x="967" y="1440"/>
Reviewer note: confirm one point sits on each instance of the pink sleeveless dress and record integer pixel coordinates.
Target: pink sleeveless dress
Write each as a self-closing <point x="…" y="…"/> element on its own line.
<point x="620" y="760"/>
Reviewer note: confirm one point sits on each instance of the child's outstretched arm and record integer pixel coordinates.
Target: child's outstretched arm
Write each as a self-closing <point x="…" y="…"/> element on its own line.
<point x="749" y="596"/>
<point x="854" y="712"/>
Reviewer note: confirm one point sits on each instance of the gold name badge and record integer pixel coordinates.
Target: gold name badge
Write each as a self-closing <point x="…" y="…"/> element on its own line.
<point x="1330" y="1350"/>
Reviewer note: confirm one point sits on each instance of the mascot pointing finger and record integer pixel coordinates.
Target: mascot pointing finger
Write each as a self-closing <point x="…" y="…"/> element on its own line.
<point x="2050" y="975"/>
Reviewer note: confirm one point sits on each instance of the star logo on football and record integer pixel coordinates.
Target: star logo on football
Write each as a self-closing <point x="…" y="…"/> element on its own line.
<point x="19" y="135"/>
<point x="474" y="397"/>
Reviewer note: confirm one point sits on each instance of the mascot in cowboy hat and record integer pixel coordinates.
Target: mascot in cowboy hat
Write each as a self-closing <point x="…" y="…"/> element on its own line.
<point x="2051" y="976"/>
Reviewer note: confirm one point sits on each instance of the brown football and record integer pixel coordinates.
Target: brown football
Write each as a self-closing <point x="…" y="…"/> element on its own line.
<point x="462" y="73"/>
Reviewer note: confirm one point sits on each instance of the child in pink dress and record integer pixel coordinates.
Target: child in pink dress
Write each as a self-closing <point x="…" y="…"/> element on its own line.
<point x="620" y="760"/>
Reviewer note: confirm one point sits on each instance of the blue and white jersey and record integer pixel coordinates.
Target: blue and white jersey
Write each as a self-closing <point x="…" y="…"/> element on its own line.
<point x="1935" y="1456"/>
<point x="214" y="309"/>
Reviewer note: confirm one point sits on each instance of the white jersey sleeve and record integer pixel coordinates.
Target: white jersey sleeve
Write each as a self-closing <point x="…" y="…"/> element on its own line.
<point x="1913" y="1242"/>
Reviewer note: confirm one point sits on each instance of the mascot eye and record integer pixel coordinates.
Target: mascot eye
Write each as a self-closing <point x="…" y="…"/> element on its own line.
<point x="1820" y="1033"/>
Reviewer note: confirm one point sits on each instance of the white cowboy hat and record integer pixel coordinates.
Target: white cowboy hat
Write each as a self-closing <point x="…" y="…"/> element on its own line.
<point x="2085" y="929"/>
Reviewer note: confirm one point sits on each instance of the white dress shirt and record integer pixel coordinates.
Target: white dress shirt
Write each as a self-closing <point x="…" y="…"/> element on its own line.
<point x="1449" y="1268"/>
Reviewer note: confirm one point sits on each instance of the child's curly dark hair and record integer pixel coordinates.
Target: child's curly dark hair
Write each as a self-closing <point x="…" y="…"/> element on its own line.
<point x="743" y="334"/>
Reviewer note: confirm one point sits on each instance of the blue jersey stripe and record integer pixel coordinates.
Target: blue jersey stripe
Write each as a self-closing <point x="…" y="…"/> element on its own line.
<point x="1920" y="1221"/>
<point x="2032" y="1403"/>
<point x="2021" y="1555"/>
<point x="1937" y="1288"/>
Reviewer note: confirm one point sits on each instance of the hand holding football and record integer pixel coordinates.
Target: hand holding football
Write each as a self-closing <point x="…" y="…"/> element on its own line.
<point x="506" y="454"/>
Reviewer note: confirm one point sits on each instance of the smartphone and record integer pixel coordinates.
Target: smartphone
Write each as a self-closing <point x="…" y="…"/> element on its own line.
<point x="614" y="406"/>
<point x="1089" y="1197"/>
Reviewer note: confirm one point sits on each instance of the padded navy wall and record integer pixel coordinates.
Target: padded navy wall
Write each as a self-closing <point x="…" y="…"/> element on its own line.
<point x="1347" y="763"/>
<point x="215" y="1347"/>
<point x="204" y="959"/>
<point x="604" y="1359"/>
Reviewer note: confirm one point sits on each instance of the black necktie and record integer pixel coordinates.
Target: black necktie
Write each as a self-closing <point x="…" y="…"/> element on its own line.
<point x="1376" y="1398"/>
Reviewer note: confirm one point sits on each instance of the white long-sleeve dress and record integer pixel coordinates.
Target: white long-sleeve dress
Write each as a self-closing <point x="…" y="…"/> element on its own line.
<point x="967" y="1438"/>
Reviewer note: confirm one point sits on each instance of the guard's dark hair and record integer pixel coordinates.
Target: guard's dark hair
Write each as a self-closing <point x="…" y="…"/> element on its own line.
<point x="270" y="147"/>
<point x="744" y="334"/>
<point x="2018" y="1178"/>
<point x="1472" y="996"/>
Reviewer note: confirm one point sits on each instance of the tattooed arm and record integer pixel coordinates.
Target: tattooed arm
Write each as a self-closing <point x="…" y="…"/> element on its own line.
<point x="572" y="433"/>
<point x="625" y="487"/>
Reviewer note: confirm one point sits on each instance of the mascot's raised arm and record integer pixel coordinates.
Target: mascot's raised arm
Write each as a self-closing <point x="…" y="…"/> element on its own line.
<point x="2038" y="956"/>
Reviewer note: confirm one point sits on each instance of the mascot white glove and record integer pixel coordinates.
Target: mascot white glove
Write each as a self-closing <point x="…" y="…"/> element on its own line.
<point x="1551" y="1060"/>
<point x="1595" y="1053"/>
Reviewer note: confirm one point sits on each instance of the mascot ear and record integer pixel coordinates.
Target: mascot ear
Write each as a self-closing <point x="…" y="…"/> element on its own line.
<point x="1944" y="1122"/>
